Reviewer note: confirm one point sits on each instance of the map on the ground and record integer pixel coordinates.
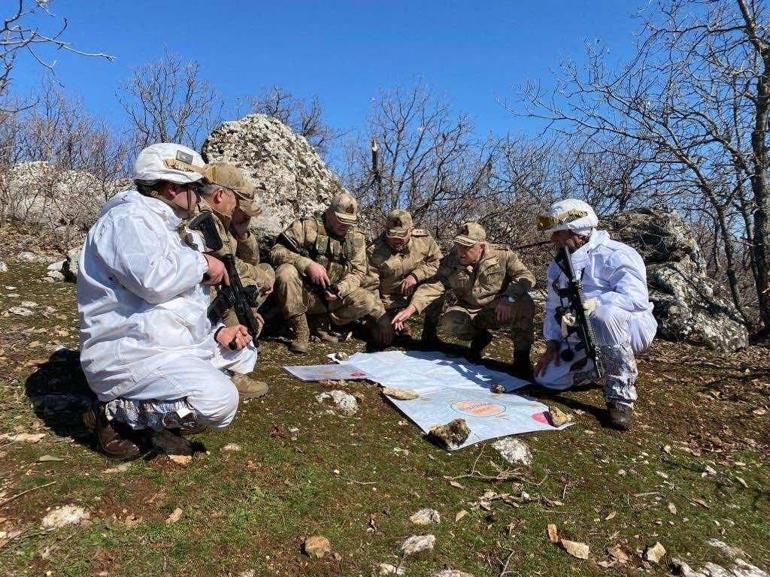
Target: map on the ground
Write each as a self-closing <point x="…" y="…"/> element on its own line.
<point x="327" y="372"/>
<point x="451" y="388"/>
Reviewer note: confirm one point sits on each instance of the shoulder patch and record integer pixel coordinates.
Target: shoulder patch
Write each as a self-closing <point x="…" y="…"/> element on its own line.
<point x="420" y="232"/>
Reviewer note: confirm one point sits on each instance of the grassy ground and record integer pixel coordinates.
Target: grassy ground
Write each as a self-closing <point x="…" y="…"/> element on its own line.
<point x="302" y="471"/>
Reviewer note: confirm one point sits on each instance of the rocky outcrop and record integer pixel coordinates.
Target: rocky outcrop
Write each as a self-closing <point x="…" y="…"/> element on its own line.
<point x="292" y="180"/>
<point x="686" y="306"/>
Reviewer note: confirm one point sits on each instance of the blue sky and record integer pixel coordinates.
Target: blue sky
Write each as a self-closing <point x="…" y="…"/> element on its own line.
<point x="472" y="52"/>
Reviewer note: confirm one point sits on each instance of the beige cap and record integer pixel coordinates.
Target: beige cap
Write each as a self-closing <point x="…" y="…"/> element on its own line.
<point x="470" y="233"/>
<point x="231" y="177"/>
<point x="399" y="223"/>
<point x="345" y="208"/>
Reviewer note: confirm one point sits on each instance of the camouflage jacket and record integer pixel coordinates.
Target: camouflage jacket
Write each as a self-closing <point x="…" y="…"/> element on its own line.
<point x="344" y="259"/>
<point x="388" y="268"/>
<point x="499" y="272"/>
<point x="246" y="251"/>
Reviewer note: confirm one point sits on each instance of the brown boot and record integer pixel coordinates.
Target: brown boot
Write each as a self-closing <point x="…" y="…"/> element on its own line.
<point x="113" y="438"/>
<point x="621" y="415"/>
<point x="249" y="387"/>
<point x="301" y="341"/>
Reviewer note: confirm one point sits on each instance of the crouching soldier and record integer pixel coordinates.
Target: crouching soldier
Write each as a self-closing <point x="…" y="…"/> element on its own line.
<point x="491" y="285"/>
<point x="230" y="198"/>
<point x="320" y="265"/>
<point x="148" y="349"/>
<point x="400" y="259"/>
<point x="614" y="282"/>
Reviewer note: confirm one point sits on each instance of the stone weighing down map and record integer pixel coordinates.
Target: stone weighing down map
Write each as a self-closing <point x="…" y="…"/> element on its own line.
<point x="448" y="388"/>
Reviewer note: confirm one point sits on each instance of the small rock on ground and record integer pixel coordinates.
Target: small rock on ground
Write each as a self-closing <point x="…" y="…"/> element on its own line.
<point x="655" y="553"/>
<point x="425" y="517"/>
<point x="452" y="573"/>
<point x="388" y="569"/>
<point x="346" y="403"/>
<point x="21" y="311"/>
<point x="400" y="394"/>
<point x="514" y="451"/>
<point x="452" y="435"/>
<point x="559" y="417"/>
<point x="316" y="546"/>
<point x="576" y="549"/>
<point x="3" y="267"/>
<point x="63" y="516"/>
<point x="418" y="543"/>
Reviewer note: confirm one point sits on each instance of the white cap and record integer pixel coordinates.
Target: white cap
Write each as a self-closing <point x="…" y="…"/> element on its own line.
<point x="569" y="214"/>
<point x="169" y="162"/>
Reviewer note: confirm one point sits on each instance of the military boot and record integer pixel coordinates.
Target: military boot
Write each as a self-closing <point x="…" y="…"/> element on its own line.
<point x="478" y="344"/>
<point x="113" y="437"/>
<point x="301" y="341"/>
<point x="249" y="387"/>
<point x="621" y="415"/>
<point x="522" y="365"/>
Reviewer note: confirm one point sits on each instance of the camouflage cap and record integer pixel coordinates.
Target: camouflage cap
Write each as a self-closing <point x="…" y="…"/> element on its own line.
<point x="470" y="233"/>
<point x="345" y="208"/>
<point x="232" y="178"/>
<point x="399" y="224"/>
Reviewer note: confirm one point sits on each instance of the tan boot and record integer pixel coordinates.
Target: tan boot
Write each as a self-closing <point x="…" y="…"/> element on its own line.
<point x="248" y="387"/>
<point x="113" y="437"/>
<point x="301" y="341"/>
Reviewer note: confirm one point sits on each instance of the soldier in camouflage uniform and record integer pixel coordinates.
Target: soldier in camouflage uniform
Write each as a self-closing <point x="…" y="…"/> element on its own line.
<point x="400" y="259"/>
<point x="491" y="285"/>
<point x="320" y="267"/>
<point x="230" y="198"/>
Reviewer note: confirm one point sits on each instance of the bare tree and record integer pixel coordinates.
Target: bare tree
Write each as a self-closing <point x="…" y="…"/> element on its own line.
<point x="22" y="33"/>
<point x="694" y="101"/>
<point x="305" y="117"/>
<point x="168" y="101"/>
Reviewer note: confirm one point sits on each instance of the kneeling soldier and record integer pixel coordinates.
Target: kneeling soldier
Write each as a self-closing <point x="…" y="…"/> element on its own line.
<point x="321" y="263"/>
<point x="491" y="285"/>
<point x="400" y="259"/>
<point x="230" y="198"/>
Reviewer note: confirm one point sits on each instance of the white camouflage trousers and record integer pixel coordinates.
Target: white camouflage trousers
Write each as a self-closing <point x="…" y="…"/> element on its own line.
<point x="619" y="335"/>
<point x="186" y="391"/>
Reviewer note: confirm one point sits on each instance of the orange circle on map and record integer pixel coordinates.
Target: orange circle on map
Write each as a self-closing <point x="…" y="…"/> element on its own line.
<point x="479" y="408"/>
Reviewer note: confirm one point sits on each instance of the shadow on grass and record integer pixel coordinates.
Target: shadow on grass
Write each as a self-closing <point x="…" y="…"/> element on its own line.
<point x="59" y="394"/>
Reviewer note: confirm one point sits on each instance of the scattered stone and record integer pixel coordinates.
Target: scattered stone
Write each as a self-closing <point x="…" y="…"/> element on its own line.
<point x="175" y="516"/>
<point x="709" y="470"/>
<point x="452" y="435"/>
<point x="732" y="552"/>
<point x="55" y="275"/>
<point x="460" y="515"/>
<point x="553" y="533"/>
<point x="426" y="517"/>
<point x="249" y="573"/>
<point x="388" y="569"/>
<point x="49" y="459"/>
<point x="122" y="468"/>
<point x="29" y="304"/>
<point x="3" y="267"/>
<point x="559" y="417"/>
<point x="672" y="508"/>
<point x="63" y="516"/>
<point x="618" y="554"/>
<point x="316" y="546"/>
<point x="24" y="437"/>
<point x="183" y="460"/>
<point x="346" y="403"/>
<point x="576" y="549"/>
<point x="497" y="388"/>
<point x="655" y="553"/>
<point x="231" y="448"/>
<point x="418" y="543"/>
<point x="513" y="450"/>
<point x="452" y="573"/>
<point x="31" y="257"/>
<point x="400" y="394"/>
<point x="341" y="356"/>
<point x="21" y="311"/>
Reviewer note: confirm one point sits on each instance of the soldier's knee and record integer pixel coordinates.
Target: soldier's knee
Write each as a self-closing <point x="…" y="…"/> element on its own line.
<point x="454" y="323"/>
<point x="267" y="272"/>
<point x="286" y="274"/>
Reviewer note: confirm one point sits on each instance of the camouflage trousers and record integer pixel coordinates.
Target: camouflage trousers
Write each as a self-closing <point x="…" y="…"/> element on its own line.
<point x="295" y="298"/>
<point x="464" y="323"/>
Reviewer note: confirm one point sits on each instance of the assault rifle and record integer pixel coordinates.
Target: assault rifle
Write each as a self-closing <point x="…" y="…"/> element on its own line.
<point x="288" y="242"/>
<point x="235" y="296"/>
<point x="573" y="295"/>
